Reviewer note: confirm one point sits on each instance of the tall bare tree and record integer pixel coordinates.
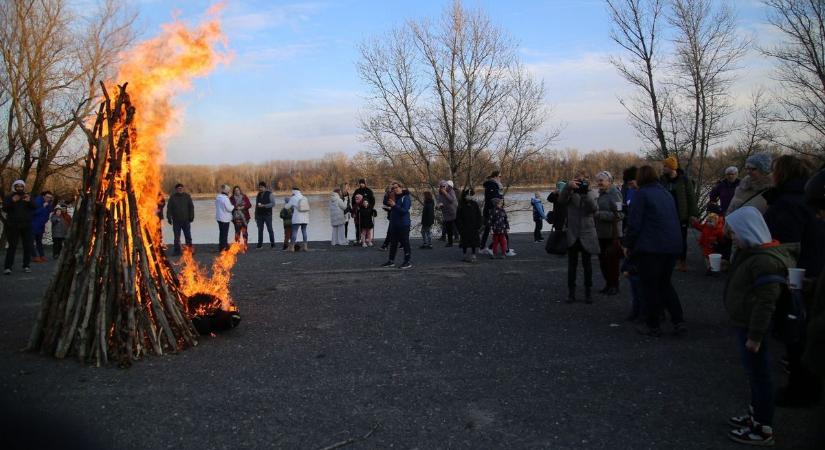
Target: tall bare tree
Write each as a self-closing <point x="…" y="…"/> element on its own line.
<point x="52" y="60"/>
<point x="801" y="69"/>
<point x="636" y="29"/>
<point x="453" y="92"/>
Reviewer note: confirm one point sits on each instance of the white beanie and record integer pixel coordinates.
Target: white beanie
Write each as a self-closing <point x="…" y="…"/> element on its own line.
<point x="749" y="225"/>
<point x="16" y="182"/>
<point x="605" y="175"/>
<point x="731" y="169"/>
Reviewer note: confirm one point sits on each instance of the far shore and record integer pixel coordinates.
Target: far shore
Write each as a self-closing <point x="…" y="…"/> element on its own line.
<point x="284" y="193"/>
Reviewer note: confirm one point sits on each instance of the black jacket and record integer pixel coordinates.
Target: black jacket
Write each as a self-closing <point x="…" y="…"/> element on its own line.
<point x="180" y="208"/>
<point x="491" y="190"/>
<point x="366" y="193"/>
<point x="428" y="213"/>
<point x="469" y="222"/>
<point x="19" y="213"/>
<point x="790" y="220"/>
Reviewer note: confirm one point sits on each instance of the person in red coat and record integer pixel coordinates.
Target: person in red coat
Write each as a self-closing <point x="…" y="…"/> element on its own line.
<point x="712" y="234"/>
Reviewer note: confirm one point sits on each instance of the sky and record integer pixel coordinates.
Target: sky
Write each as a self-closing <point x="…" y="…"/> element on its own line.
<point x="292" y="90"/>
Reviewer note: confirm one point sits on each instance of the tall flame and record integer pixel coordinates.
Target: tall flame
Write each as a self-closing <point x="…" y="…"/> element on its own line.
<point x="157" y="70"/>
<point x="194" y="279"/>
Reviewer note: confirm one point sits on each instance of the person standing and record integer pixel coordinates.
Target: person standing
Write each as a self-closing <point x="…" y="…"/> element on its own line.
<point x="559" y="214"/>
<point x="389" y="195"/>
<point x="223" y="215"/>
<point x="721" y="194"/>
<point x="44" y="204"/>
<point x="469" y="222"/>
<point x="286" y="216"/>
<point x="337" y="218"/>
<point x="427" y="220"/>
<point x="264" y="202"/>
<point x="756" y="182"/>
<point x="539" y="216"/>
<point x="19" y="209"/>
<point x="580" y="203"/>
<point x="180" y="212"/>
<point x="492" y="190"/>
<point x="609" y="231"/>
<point x="499" y="225"/>
<point x="366" y="223"/>
<point x="345" y="196"/>
<point x="240" y="216"/>
<point x="61" y="224"/>
<point x="652" y="240"/>
<point x="448" y="204"/>
<point x="399" y="205"/>
<point x="300" y="217"/>
<point x="366" y="194"/>
<point x="681" y="188"/>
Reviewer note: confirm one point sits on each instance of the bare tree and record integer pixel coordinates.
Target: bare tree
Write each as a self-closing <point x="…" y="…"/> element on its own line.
<point x="452" y="92"/>
<point x="707" y="49"/>
<point x="757" y="131"/>
<point x="801" y="69"/>
<point x="52" y="61"/>
<point x="636" y="30"/>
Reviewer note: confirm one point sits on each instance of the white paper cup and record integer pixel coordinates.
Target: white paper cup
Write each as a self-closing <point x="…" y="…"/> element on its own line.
<point x="795" y="277"/>
<point x="715" y="260"/>
<point x="618" y="206"/>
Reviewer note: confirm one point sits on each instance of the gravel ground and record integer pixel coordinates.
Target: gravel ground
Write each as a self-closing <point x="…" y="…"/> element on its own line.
<point x="333" y="350"/>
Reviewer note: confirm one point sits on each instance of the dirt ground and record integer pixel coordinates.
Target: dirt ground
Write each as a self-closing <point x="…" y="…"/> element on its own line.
<point x="333" y="350"/>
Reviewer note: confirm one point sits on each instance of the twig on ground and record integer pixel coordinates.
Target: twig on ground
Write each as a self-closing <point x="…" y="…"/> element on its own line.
<point x="349" y="441"/>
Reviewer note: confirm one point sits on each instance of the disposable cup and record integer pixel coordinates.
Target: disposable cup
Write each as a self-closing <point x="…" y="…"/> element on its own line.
<point x="715" y="262"/>
<point x="618" y="206"/>
<point x="795" y="277"/>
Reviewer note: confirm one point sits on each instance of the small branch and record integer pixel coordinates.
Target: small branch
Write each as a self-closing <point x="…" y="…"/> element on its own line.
<point x="350" y="441"/>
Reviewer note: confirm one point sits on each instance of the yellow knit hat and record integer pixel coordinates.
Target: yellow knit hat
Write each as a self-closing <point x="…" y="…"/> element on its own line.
<point x="671" y="163"/>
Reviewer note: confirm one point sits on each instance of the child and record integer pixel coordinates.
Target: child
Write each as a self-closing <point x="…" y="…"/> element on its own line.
<point x="286" y="216"/>
<point x="712" y="234"/>
<point x="751" y="308"/>
<point x="469" y="223"/>
<point x="366" y="213"/>
<point x="499" y="226"/>
<point x="61" y="223"/>
<point x="538" y="216"/>
<point x="427" y="220"/>
<point x="357" y="203"/>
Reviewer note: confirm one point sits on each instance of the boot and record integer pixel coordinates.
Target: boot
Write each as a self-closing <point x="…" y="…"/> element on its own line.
<point x="588" y="297"/>
<point x="571" y="296"/>
<point x="305" y="247"/>
<point x="290" y="248"/>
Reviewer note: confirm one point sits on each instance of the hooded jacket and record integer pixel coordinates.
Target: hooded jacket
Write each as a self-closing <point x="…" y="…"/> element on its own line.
<point x="538" y="209"/>
<point x="469" y="223"/>
<point x="682" y="190"/>
<point x="223" y="208"/>
<point x="40" y="216"/>
<point x="18" y="213"/>
<point x="337" y="206"/>
<point x="298" y="217"/>
<point x="400" y="212"/>
<point x="492" y="190"/>
<point x="448" y="201"/>
<point x="608" y="217"/>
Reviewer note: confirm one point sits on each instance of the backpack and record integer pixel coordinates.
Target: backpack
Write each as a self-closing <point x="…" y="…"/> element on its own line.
<point x="789" y="317"/>
<point x="303" y="205"/>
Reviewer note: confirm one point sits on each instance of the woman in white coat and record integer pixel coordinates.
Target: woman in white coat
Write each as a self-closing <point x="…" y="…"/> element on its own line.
<point x="300" y="217"/>
<point x="223" y="214"/>
<point x="337" y="217"/>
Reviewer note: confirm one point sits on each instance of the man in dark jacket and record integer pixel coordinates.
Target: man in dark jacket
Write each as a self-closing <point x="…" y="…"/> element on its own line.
<point x="19" y="209"/>
<point x="492" y="190"/>
<point x="264" y="202"/>
<point x="399" y="225"/>
<point x="676" y="181"/>
<point x="180" y="212"/>
<point x="721" y="194"/>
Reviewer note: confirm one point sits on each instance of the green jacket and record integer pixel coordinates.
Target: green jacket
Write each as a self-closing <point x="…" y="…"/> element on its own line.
<point x="684" y="193"/>
<point x="814" y="356"/>
<point x="752" y="307"/>
<point x="286" y="216"/>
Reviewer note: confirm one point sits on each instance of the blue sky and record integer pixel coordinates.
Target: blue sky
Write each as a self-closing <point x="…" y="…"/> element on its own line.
<point x="292" y="90"/>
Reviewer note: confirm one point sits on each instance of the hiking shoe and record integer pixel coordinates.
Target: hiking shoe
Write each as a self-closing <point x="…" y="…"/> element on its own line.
<point x="648" y="331"/>
<point x="511" y="252"/>
<point x="406" y="265"/>
<point x="27" y="269"/>
<point x="756" y="434"/>
<point x="388" y="264"/>
<point x="7" y="272"/>
<point x="743" y="421"/>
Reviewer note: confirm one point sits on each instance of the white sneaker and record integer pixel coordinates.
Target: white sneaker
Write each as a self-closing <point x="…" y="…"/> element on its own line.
<point x="364" y="245"/>
<point x="27" y="270"/>
<point x="7" y="271"/>
<point x="511" y="252"/>
<point x="486" y="251"/>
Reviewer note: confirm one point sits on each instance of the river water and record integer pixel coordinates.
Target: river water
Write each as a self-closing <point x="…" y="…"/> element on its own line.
<point x="205" y="228"/>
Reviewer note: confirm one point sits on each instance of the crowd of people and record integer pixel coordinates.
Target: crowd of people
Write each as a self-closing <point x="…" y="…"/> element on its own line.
<point x="755" y="228"/>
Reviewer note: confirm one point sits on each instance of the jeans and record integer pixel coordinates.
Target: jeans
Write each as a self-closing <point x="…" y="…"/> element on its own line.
<point x="38" y="245"/>
<point x="400" y="235"/>
<point x="757" y="368"/>
<point x="427" y="235"/>
<point x="262" y="221"/>
<point x="657" y="291"/>
<point x="15" y="234"/>
<point x="186" y="227"/>
<point x="223" y="236"/>
<point x="572" y="266"/>
<point x="303" y="228"/>
<point x="537" y="229"/>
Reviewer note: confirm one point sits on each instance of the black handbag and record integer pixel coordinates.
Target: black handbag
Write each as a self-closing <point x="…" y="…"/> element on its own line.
<point x="557" y="240"/>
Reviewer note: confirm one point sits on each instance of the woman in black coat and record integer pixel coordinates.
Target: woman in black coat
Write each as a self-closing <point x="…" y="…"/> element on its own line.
<point x="469" y="223"/>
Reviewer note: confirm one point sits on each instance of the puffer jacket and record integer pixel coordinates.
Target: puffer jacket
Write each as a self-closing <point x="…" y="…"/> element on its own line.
<point x="790" y="219"/>
<point x="580" y="222"/>
<point x="449" y="204"/>
<point x="608" y="217"/>
<point x="749" y="193"/>
<point x="298" y="217"/>
<point x="682" y="190"/>
<point x="752" y="307"/>
<point x="337" y="206"/>
<point x="41" y="214"/>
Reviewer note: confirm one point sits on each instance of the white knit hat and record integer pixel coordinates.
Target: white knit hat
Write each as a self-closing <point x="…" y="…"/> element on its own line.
<point x="16" y="182"/>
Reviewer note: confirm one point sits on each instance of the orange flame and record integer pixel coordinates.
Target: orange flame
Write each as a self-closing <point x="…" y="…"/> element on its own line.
<point x="157" y="70"/>
<point x="194" y="278"/>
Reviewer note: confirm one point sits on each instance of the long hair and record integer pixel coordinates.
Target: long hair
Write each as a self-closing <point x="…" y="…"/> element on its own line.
<point x="789" y="167"/>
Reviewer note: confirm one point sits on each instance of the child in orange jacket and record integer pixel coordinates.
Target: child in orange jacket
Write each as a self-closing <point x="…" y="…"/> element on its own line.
<point x="712" y="234"/>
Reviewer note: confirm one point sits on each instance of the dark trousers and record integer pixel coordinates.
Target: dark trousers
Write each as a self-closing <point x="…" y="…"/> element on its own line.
<point x="400" y="235"/>
<point x="573" y="253"/>
<point x="683" y="255"/>
<point x="609" y="262"/>
<point x="635" y="295"/>
<point x="266" y="221"/>
<point x="357" y="230"/>
<point x="223" y="236"/>
<point x="537" y="229"/>
<point x="388" y="238"/>
<point x="657" y="291"/>
<point x="346" y="228"/>
<point x="22" y="234"/>
<point x="57" y="246"/>
<point x="758" y="370"/>
<point x="184" y="226"/>
<point x="38" y="245"/>
<point x="449" y="230"/>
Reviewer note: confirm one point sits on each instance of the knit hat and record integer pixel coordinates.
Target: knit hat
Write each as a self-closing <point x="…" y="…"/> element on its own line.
<point x="731" y="169"/>
<point x="671" y="162"/>
<point x="749" y="225"/>
<point x="16" y="182"/>
<point x="560" y="186"/>
<point x="604" y="175"/>
<point x="450" y="183"/>
<point x="760" y="161"/>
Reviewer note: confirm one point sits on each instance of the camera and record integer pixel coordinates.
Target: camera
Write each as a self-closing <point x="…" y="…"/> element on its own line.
<point x="584" y="187"/>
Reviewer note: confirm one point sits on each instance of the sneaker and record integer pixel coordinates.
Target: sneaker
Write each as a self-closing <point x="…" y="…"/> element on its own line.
<point x="756" y="434"/>
<point x="511" y="252"/>
<point x="259" y="246"/>
<point x="648" y="331"/>
<point x="388" y="264"/>
<point x="364" y="245"/>
<point x="7" y="272"/>
<point x="27" y="270"/>
<point x="406" y="265"/>
<point x="473" y="258"/>
<point x="486" y="251"/>
<point x="370" y="244"/>
<point x="745" y="420"/>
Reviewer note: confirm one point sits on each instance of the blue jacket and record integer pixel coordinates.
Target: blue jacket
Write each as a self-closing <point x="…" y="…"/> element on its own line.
<point x="653" y="226"/>
<point x="400" y="212"/>
<point x="41" y="214"/>
<point x="538" y="209"/>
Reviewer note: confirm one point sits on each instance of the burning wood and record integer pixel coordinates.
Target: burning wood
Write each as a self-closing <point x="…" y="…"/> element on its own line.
<point x="115" y="296"/>
<point x="209" y="301"/>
